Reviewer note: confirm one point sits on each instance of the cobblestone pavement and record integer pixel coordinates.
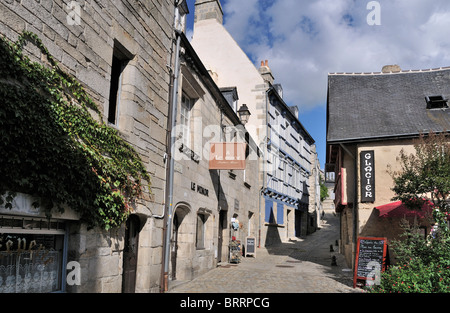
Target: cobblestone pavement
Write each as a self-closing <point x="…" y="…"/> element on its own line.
<point x="304" y="266"/>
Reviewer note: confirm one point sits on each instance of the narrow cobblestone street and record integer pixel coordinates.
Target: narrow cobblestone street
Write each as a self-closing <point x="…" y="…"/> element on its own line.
<point x="304" y="266"/>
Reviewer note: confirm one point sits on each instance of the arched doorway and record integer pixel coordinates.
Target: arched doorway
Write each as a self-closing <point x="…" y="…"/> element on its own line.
<point x="130" y="254"/>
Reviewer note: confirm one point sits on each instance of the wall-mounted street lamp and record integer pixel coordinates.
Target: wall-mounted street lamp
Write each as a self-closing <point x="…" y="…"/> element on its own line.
<point x="244" y="114"/>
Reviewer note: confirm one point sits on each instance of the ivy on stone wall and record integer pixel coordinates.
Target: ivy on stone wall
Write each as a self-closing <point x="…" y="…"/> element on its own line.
<point x="53" y="148"/>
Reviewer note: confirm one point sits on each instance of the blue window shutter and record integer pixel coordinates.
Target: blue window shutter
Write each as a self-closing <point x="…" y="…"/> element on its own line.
<point x="280" y="213"/>
<point x="270" y="218"/>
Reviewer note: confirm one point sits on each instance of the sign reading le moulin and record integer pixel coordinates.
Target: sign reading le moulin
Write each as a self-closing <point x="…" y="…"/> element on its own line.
<point x="367" y="165"/>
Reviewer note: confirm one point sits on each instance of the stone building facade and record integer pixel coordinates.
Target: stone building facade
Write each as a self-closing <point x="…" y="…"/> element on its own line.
<point x="90" y="40"/>
<point x="207" y="201"/>
<point x="287" y="171"/>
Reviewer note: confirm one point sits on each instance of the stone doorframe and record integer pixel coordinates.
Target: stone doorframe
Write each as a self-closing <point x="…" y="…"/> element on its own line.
<point x="179" y="242"/>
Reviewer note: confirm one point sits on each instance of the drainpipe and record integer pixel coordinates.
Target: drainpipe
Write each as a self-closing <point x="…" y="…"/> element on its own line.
<point x="169" y="217"/>
<point x="160" y="217"/>
<point x="355" y="198"/>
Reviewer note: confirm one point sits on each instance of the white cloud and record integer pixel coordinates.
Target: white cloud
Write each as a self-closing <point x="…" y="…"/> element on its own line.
<point x="305" y="40"/>
<point x="240" y="16"/>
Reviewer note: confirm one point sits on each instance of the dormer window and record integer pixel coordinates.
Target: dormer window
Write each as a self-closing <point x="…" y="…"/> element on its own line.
<point x="231" y="95"/>
<point x="436" y="102"/>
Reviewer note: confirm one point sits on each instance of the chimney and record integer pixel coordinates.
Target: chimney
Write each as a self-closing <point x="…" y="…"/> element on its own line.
<point x="207" y="10"/>
<point x="391" y="69"/>
<point x="266" y="73"/>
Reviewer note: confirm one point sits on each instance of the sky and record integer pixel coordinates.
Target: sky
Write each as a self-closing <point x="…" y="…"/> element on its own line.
<point x="305" y="40"/>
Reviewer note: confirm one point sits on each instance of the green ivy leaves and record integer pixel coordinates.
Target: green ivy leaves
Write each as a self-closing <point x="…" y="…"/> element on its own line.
<point x="52" y="147"/>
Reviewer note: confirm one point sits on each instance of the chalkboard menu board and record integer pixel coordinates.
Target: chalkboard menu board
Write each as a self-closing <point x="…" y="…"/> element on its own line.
<point x="250" y="246"/>
<point x="370" y="257"/>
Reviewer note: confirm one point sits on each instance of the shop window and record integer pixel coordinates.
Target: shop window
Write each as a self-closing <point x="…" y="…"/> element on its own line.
<point x="31" y="255"/>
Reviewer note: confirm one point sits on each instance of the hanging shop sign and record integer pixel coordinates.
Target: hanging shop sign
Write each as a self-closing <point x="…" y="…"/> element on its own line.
<point x="367" y="165"/>
<point x="227" y="156"/>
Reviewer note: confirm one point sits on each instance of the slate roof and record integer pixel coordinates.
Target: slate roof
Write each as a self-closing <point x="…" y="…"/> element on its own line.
<point x="367" y="106"/>
<point x="275" y="97"/>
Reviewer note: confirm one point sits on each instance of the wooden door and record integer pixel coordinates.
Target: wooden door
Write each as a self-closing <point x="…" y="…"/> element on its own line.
<point x="130" y="255"/>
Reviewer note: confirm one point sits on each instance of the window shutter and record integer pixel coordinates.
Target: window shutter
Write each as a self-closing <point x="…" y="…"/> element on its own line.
<point x="270" y="218"/>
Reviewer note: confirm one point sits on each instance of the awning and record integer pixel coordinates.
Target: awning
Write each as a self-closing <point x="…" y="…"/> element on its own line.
<point x="398" y="209"/>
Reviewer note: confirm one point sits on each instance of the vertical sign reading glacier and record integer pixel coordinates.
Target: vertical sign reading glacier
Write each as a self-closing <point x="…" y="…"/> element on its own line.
<point x="367" y="165"/>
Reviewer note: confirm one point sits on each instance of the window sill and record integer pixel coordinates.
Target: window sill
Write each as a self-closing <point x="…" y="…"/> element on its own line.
<point x="114" y="125"/>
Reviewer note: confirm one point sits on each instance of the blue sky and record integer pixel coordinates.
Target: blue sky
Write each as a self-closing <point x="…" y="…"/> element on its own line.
<point x="304" y="40"/>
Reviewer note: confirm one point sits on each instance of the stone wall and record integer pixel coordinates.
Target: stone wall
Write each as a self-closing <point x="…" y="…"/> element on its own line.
<point x="83" y="44"/>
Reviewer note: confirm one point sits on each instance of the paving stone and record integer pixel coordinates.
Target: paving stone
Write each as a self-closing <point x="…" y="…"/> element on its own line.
<point x="304" y="266"/>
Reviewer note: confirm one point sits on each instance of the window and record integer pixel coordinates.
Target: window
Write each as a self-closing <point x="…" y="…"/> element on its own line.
<point x="231" y="96"/>
<point x="31" y="255"/>
<point x="119" y="63"/>
<point x="290" y="172"/>
<point x="185" y="119"/>
<point x="299" y="144"/>
<point x="330" y="173"/>
<point x="297" y="183"/>
<point x="277" y="121"/>
<point x="436" y="102"/>
<point x="201" y="225"/>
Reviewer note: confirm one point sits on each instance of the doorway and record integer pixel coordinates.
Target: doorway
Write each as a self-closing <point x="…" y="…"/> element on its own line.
<point x="298" y="223"/>
<point x="130" y="254"/>
<point x="222" y="227"/>
<point x="174" y="246"/>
